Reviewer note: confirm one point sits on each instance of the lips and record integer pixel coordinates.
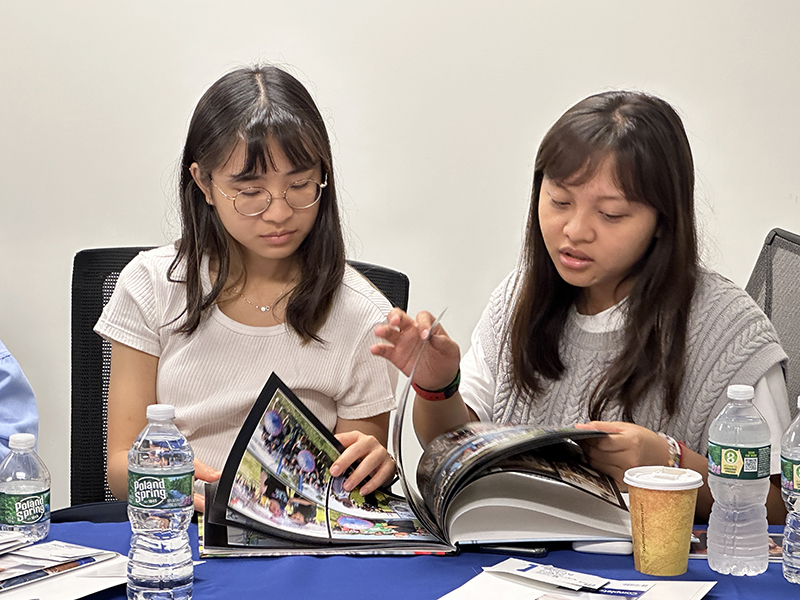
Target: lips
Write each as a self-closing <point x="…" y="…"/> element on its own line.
<point x="574" y="259"/>
<point x="278" y="237"/>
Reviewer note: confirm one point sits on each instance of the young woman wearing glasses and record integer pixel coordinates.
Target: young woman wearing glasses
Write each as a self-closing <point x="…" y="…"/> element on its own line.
<point x="609" y="321"/>
<point x="257" y="283"/>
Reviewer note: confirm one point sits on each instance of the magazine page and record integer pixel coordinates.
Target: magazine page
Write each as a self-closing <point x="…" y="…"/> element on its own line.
<point x="415" y="501"/>
<point x="550" y="462"/>
<point x="278" y="471"/>
<point x="379" y="514"/>
<point x="277" y="481"/>
<point x="455" y="458"/>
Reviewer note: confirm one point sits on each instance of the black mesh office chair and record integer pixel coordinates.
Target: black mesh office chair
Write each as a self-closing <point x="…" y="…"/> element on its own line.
<point x="94" y="276"/>
<point x="775" y="285"/>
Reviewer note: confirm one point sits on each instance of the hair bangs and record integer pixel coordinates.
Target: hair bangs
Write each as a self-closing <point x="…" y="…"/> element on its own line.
<point x="572" y="152"/>
<point x="575" y="152"/>
<point x="291" y="136"/>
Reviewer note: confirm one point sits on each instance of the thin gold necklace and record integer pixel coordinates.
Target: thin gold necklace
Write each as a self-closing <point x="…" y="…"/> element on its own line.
<point x="267" y="307"/>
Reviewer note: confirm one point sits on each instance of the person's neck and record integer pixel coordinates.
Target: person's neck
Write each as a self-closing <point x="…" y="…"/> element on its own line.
<point x="260" y="271"/>
<point x="593" y="301"/>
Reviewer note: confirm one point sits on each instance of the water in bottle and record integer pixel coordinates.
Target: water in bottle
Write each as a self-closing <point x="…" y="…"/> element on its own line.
<point x="790" y="490"/>
<point x="738" y="475"/>
<point x="160" y="507"/>
<point x="24" y="489"/>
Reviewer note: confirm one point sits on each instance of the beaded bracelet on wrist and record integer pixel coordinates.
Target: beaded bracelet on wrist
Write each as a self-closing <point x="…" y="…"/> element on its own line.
<point x="675" y="453"/>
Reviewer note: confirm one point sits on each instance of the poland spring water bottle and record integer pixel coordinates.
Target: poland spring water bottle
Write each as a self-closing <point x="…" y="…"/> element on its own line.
<point x="790" y="490"/>
<point x="738" y="475"/>
<point x="24" y="489"/>
<point x="160" y="507"/>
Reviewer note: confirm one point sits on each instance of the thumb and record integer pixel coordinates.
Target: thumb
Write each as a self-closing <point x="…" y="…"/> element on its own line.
<point x="346" y="438"/>
<point x="205" y="473"/>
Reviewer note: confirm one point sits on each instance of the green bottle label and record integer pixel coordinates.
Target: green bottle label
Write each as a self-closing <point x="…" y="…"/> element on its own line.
<point x="738" y="463"/>
<point x="790" y="474"/>
<point x="24" y="509"/>
<point x="160" y="491"/>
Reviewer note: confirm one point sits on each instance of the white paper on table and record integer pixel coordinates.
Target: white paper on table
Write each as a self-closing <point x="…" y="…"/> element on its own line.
<point x="57" y="551"/>
<point x="571" y="580"/>
<point x="499" y="585"/>
<point x="73" y="585"/>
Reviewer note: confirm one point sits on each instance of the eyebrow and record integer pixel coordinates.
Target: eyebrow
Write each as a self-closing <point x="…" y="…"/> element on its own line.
<point x="564" y="187"/>
<point x="614" y="197"/>
<point x="247" y="177"/>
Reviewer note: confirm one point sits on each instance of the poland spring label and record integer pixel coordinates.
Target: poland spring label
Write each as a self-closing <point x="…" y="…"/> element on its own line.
<point x="24" y="509"/>
<point x="160" y="491"/>
<point x="738" y="463"/>
<point x="790" y="475"/>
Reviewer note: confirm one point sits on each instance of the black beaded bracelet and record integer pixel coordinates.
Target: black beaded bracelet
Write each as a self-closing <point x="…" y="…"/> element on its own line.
<point x="443" y="394"/>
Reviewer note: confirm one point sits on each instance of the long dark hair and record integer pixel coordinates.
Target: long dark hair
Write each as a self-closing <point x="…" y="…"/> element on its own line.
<point x="254" y="105"/>
<point x="645" y="137"/>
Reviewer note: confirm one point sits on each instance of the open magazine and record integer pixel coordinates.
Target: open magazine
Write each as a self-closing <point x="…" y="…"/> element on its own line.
<point x="482" y="484"/>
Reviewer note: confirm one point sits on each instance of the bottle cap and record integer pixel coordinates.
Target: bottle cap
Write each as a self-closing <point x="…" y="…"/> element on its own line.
<point x="22" y="441"/>
<point x="160" y="412"/>
<point x="741" y="392"/>
<point x="663" y="478"/>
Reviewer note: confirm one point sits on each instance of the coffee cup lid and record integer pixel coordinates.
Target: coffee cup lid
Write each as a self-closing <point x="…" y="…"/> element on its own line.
<point x="663" y="478"/>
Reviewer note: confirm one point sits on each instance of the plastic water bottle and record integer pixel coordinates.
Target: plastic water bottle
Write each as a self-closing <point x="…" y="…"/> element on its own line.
<point x="738" y="475"/>
<point x="160" y="507"/>
<point x="790" y="490"/>
<point x="24" y="489"/>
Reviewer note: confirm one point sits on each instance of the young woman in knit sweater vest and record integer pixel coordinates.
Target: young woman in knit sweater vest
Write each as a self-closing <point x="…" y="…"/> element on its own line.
<point x="257" y="283"/>
<point x="608" y="322"/>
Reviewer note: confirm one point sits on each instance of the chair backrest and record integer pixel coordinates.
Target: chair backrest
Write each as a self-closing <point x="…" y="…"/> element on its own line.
<point x="775" y="286"/>
<point x="94" y="276"/>
<point x="392" y="284"/>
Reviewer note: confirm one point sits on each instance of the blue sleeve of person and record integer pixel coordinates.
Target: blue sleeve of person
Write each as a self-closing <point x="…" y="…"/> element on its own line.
<point x="18" y="413"/>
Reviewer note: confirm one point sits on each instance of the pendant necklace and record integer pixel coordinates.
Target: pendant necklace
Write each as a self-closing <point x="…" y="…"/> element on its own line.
<point x="266" y="307"/>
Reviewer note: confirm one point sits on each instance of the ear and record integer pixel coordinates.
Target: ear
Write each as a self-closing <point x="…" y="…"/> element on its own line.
<point x="197" y="175"/>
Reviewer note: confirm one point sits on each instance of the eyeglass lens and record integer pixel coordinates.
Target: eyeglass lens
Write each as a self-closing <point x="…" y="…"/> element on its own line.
<point x="254" y="201"/>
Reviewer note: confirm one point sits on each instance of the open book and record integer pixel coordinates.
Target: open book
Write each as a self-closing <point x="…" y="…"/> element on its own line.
<point x="482" y="484"/>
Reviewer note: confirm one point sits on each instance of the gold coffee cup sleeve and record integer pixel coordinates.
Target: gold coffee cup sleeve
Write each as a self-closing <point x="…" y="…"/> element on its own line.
<point x="662" y="502"/>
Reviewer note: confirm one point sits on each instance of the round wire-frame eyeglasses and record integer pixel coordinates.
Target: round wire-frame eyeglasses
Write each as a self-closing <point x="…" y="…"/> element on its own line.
<point x="252" y="201"/>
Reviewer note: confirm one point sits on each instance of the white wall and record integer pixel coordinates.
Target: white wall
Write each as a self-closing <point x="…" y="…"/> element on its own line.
<point x="436" y="109"/>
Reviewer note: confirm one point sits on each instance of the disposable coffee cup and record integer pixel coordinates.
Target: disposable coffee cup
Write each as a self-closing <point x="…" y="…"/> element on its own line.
<point x="662" y="501"/>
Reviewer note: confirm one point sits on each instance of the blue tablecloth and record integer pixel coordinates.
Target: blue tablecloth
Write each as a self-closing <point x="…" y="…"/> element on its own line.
<point x="389" y="578"/>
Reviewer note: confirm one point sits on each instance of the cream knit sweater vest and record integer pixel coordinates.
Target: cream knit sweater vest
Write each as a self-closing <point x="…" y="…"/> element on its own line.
<point x="730" y="341"/>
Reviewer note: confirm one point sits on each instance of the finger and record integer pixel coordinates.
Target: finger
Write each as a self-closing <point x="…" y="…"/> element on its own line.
<point x="605" y="464"/>
<point x="438" y="331"/>
<point x="424" y="320"/>
<point x="397" y="316"/>
<point x="199" y="503"/>
<point x="440" y="340"/>
<point x="607" y="444"/>
<point x="401" y="321"/>
<point x="369" y="465"/>
<point x="382" y="350"/>
<point x="382" y="476"/>
<point x="204" y="472"/>
<point x="389" y="333"/>
<point x="606" y="426"/>
<point x="365" y="450"/>
<point x="348" y="439"/>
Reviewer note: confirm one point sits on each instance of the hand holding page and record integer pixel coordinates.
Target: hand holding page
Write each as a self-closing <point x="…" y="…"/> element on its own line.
<point x="482" y="484"/>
